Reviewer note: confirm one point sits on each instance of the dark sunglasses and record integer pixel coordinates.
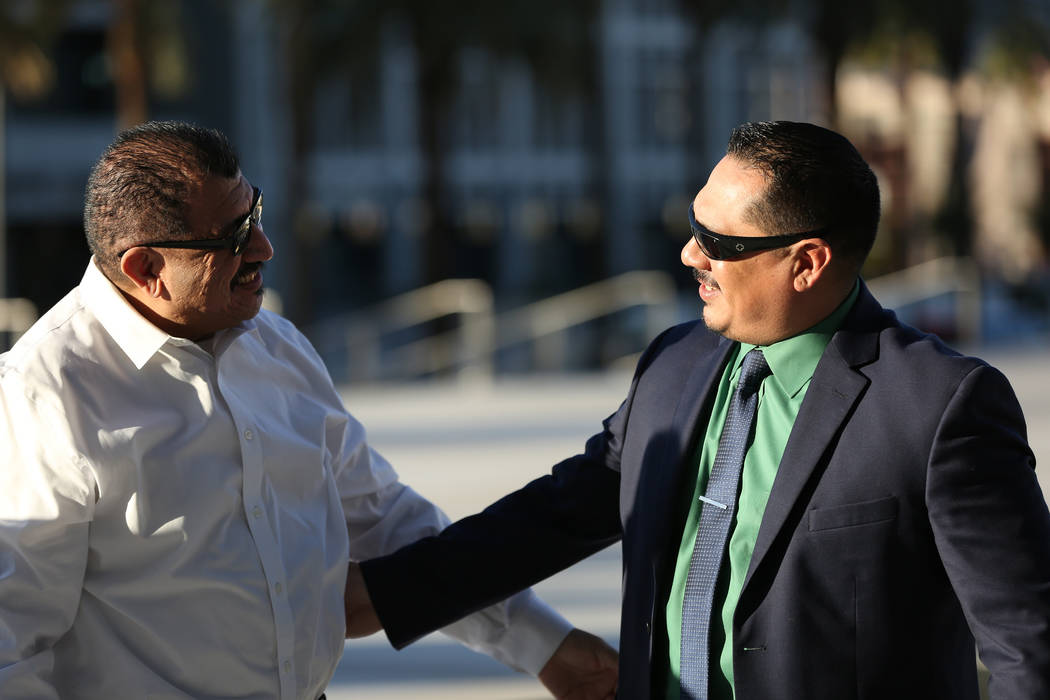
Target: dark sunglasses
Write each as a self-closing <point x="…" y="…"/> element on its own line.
<point x="717" y="246"/>
<point x="236" y="241"/>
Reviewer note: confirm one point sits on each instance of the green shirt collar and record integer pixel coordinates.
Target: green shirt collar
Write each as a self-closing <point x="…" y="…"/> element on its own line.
<point x="794" y="359"/>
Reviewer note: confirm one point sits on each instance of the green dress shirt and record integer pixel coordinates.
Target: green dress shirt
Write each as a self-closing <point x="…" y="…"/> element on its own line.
<point x="779" y="397"/>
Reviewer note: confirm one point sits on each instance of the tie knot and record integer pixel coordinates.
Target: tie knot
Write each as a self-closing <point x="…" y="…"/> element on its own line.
<point x="752" y="372"/>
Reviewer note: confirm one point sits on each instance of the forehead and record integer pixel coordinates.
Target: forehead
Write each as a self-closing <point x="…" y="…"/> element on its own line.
<point x="723" y="203"/>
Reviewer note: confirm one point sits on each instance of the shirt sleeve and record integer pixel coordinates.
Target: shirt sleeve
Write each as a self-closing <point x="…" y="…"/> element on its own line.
<point x="382" y="515"/>
<point x="46" y="503"/>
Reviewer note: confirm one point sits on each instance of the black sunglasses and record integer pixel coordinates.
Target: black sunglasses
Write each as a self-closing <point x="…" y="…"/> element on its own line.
<point x="717" y="246"/>
<point x="236" y="241"/>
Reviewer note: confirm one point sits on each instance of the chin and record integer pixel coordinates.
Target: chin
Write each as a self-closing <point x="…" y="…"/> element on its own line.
<point x="713" y="324"/>
<point x="251" y="310"/>
<point x="249" y="314"/>
<point x="725" y="331"/>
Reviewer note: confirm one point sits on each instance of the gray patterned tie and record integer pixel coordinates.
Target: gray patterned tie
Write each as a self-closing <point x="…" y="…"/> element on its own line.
<point x="716" y="515"/>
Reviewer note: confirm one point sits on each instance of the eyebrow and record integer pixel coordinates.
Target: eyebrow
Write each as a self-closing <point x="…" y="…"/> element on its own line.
<point x="231" y="227"/>
<point x="707" y="230"/>
<point x="692" y="213"/>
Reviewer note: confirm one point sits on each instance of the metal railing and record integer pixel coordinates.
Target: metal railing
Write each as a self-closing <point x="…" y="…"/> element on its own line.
<point x="542" y="323"/>
<point x="470" y="347"/>
<point x="391" y="339"/>
<point x="468" y="300"/>
<point x="958" y="277"/>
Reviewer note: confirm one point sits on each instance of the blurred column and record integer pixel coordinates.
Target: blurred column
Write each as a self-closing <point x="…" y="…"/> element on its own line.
<point x="516" y="117"/>
<point x="619" y="80"/>
<point x="400" y="114"/>
<point x="263" y="123"/>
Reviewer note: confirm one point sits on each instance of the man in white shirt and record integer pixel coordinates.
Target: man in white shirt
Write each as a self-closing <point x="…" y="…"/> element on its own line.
<point x="182" y="486"/>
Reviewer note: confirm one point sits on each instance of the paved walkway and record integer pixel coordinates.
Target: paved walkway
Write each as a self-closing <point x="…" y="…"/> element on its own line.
<point x="463" y="447"/>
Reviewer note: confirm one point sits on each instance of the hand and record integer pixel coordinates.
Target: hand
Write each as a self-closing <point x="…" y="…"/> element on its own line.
<point x="583" y="668"/>
<point x="361" y="618"/>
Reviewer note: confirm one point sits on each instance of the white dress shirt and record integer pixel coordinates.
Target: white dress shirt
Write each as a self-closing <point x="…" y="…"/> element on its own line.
<point x="175" y="522"/>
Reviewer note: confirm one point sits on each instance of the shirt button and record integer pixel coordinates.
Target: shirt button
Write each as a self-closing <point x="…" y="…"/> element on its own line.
<point x="287" y="666"/>
<point x="257" y="512"/>
<point x="278" y="587"/>
<point x="248" y="434"/>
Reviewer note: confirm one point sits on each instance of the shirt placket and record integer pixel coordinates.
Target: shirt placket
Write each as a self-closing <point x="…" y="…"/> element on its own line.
<point x="262" y="531"/>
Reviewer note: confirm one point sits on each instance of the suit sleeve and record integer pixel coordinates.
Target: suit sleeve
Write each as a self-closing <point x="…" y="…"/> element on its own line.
<point x="992" y="530"/>
<point x="525" y="537"/>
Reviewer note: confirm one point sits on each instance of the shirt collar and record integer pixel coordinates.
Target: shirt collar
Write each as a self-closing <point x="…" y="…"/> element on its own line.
<point x="137" y="337"/>
<point x="793" y="360"/>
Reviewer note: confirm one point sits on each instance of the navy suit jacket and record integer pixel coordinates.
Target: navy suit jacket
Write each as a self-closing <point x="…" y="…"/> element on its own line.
<point x="904" y="521"/>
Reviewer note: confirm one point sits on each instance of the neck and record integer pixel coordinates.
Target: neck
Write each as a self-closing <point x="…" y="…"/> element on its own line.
<point x="827" y="300"/>
<point x="814" y="305"/>
<point x="152" y="310"/>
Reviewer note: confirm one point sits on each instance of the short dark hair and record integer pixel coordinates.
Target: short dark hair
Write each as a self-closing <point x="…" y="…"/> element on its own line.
<point x="817" y="179"/>
<point x="137" y="190"/>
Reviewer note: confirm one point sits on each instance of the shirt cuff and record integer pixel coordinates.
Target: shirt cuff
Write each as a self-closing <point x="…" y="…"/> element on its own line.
<point x="522" y="632"/>
<point x="532" y="640"/>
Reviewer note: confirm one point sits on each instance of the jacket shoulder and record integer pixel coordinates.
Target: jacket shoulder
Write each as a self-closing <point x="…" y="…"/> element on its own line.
<point x="680" y="343"/>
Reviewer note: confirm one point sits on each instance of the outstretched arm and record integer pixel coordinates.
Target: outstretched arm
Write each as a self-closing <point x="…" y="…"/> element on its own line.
<point x="583" y="666"/>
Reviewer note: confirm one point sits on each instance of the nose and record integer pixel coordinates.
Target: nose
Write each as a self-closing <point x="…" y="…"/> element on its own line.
<point x="693" y="257"/>
<point x="259" y="248"/>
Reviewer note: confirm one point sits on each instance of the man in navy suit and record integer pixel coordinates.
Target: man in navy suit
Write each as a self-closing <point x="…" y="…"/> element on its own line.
<point x="886" y="512"/>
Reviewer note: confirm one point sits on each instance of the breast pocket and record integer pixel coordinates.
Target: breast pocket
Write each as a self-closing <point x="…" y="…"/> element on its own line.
<point x="853" y="514"/>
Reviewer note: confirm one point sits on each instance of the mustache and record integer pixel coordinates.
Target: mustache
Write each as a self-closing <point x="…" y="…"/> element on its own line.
<point x="704" y="277"/>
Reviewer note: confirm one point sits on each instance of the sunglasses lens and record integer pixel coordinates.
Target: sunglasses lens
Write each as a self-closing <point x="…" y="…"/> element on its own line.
<point x="244" y="233"/>
<point x="707" y="241"/>
<point x="709" y="244"/>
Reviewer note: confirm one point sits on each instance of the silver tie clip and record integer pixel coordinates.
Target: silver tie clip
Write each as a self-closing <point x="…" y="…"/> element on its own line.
<point x="705" y="499"/>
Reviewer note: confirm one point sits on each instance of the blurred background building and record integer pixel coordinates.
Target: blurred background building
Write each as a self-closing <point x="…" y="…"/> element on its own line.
<point x="536" y="148"/>
<point x="480" y="189"/>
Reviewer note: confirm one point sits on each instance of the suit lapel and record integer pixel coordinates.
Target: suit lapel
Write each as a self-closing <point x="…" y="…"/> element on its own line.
<point x="834" y="390"/>
<point x="696" y="393"/>
<point x="662" y="477"/>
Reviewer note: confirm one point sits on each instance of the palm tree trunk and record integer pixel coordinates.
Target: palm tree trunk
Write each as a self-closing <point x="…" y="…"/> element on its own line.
<point x="124" y="47"/>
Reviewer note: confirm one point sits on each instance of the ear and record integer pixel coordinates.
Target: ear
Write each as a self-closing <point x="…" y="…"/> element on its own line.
<point x="812" y="261"/>
<point x="141" y="267"/>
